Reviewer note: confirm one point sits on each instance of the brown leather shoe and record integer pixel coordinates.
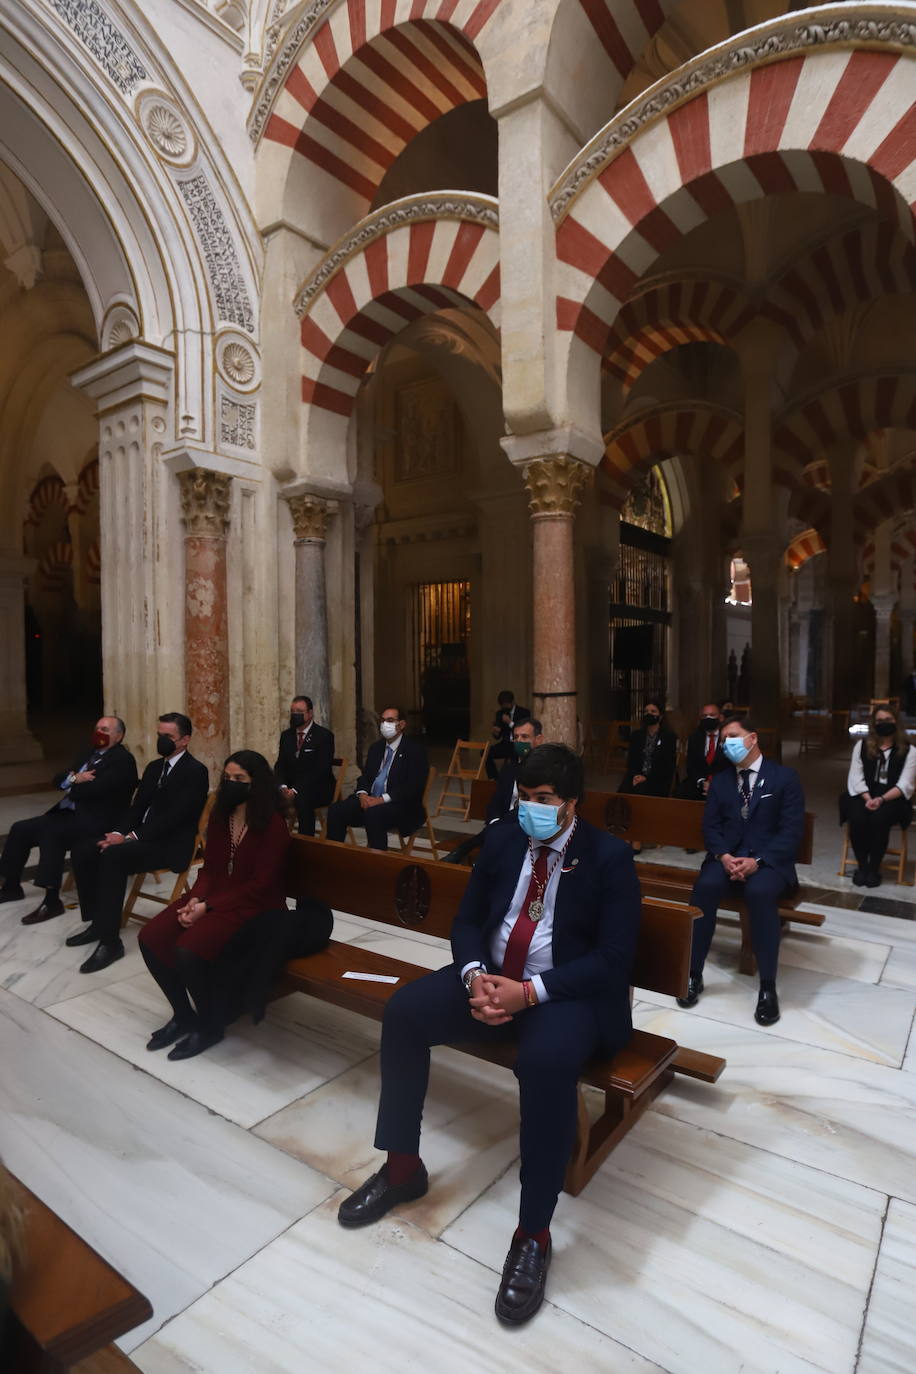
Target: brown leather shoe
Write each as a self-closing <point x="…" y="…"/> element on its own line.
<point x="45" y="912"/>
<point x="377" y="1196"/>
<point x="524" y="1280"/>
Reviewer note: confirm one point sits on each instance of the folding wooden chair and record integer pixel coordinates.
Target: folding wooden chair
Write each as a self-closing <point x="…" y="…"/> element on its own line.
<point x="408" y="841"/>
<point x="321" y="812"/>
<point x="895" y="859"/>
<point x="197" y="857"/>
<point x="458" y="803"/>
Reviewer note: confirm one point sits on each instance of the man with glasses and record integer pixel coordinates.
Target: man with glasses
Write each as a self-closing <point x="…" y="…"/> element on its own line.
<point x="389" y="793"/>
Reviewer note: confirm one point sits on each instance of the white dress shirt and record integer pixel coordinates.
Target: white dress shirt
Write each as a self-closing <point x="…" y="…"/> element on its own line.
<point x="393" y="745"/>
<point x="856" y="784"/>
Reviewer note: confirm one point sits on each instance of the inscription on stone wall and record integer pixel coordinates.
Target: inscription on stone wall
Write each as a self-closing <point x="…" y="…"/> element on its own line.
<point x="104" y="40"/>
<point x="237" y="423"/>
<point x="230" y="292"/>
<point x="428" y="429"/>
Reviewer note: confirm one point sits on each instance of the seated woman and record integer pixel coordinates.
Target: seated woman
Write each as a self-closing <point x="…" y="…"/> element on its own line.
<point x="882" y="777"/>
<point x="652" y="755"/>
<point x="243" y="876"/>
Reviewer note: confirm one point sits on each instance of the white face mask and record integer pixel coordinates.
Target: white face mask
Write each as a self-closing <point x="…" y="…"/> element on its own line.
<point x="389" y="729"/>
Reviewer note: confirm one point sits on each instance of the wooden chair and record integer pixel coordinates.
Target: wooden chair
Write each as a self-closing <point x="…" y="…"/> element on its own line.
<point x="321" y="812"/>
<point x="895" y="859"/>
<point x="453" y="803"/>
<point x="892" y="703"/>
<point x="197" y="857"/>
<point x="816" y="731"/>
<point x="408" y="841"/>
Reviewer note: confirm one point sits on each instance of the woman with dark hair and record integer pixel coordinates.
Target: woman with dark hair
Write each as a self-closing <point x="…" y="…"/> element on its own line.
<point x="652" y="755"/>
<point x="242" y="876"/>
<point x="882" y="777"/>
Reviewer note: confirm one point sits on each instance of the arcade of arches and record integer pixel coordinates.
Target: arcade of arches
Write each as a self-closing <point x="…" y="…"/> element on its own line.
<point x="417" y="349"/>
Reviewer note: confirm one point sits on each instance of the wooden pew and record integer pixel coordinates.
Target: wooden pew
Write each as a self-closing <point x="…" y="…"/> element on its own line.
<point x="418" y="894"/>
<point x="67" y="1304"/>
<point x="668" y="821"/>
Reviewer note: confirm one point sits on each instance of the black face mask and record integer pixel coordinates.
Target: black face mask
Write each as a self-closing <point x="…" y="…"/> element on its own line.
<point x="885" y="728"/>
<point x="165" y="746"/>
<point x="710" y="723"/>
<point x="233" y="793"/>
<point x="648" y="719"/>
<point x="296" y="719"/>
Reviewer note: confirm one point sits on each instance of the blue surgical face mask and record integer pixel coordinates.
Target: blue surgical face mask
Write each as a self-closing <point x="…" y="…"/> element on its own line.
<point x="735" y="750"/>
<point x="539" y="820"/>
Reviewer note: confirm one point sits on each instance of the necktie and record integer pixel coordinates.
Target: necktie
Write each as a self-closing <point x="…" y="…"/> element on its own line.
<point x="300" y="736"/>
<point x="164" y="774"/>
<point x="745" y="775"/>
<point x="521" y="933"/>
<point x="381" y="777"/>
<point x="711" y="751"/>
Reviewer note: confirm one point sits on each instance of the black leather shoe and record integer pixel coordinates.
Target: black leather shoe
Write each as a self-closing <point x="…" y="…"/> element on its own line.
<point x="859" y="877"/>
<point x="45" y="912"/>
<point x="524" y="1279"/>
<point x="377" y="1196"/>
<point x="767" y="1011"/>
<point x="103" y="956"/>
<point x="195" y="1043"/>
<point x="86" y="936"/>
<point x="694" y="991"/>
<point x="872" y="879"/>
<point x="11" y="894"/>
<point x="167" y="1035"/>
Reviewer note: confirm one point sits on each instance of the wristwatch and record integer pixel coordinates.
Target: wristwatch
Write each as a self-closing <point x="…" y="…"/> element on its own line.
<point x="471" y="974"/>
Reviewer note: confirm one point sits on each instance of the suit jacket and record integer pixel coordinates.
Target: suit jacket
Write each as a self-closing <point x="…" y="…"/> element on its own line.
<point x="595" y="921"/>
<point x="775" y="826"/>
<point x="664" y="760"/>
<point x="174" y="808"/>
<point x="310" y="774"/>
<point x="697" y="767"/>
<point x="100" y="803"/>
<point x="406" y="779"/>
<point x="258" y="879"/>
<point x="522" y="713"/>
<point x="500" y="804"/>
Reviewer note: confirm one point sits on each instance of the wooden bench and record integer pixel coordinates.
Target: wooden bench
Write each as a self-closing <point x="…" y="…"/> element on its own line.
<point x="419" y="894"/>
<point x="667" y="821"/>
<point x="67" y="1304"/>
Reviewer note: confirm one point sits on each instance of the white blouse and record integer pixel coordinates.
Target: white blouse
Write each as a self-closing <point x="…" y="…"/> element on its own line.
<point x="856" y="784"/>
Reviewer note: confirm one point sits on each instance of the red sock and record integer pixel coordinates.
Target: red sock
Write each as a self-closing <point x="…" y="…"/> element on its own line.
<point x="542" y="1237"/>
<point x="401" y="1168"/>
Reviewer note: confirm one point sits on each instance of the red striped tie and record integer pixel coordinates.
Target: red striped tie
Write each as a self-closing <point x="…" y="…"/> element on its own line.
<point x="524" y="928"/>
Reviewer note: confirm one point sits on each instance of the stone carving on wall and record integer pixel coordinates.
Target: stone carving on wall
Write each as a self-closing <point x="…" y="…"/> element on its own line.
<point x="166" y="129"/>
<point x="427" y="431"/>
<point x="97" y="32"/>
<point x="436" y="206"/>
<point x="284" y="60"/>
<point x="884" y="27"/>
<point x="119" y="327"/>
<point x="237" y="423"/>
<point x="310" y="517"/>
<point x="229" y="290"/>
<point x="556" y="485"/>
<point x="205" y="499"/>
<point x="238" y="363"/>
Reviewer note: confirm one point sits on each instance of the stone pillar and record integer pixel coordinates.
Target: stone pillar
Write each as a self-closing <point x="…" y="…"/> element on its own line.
<point x="907" y="611"/>
<point x="205" y="500"/>
<point x="884" y="609"/>
<point x="310" y="523"/>
<point x="842" y="573"/>
<point x="17" y="744"/>
<point x="764" y="554"/>
<point x="555" y="485"/>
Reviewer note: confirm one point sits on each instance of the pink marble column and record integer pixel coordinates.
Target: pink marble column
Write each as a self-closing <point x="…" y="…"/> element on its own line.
<point x="205" y="514"/>
<point x="555" y="485"/>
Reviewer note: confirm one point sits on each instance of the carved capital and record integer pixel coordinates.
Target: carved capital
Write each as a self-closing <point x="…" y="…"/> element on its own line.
<point x="556" y="485"/>
<point x="310" y="517"/>
<point x="205" y="499"/>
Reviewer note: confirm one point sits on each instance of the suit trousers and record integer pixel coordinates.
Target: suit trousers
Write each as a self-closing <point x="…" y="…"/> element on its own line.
<point x="378" y="820"/>
<point x="554" y="1041"/>
<point x="761" y="893"/>
<point x="101" y="880"/>
<point x="53" y="833"/>
<point x="869" y="831"/>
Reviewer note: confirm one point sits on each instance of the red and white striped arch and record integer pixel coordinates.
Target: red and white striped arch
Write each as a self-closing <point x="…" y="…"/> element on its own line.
<point x="700" y="430"/>
<point x="854" y="408"/>
<point x="835" y="121"/>
<point x="703" y="310"/>
<point x="806" y="545"/>
<point x="369" y="78"/>
<point x="384" y="284"/>
<point x="902" y="550"/>
<point x="887" y="499"/>
<point x="47" y="493"/>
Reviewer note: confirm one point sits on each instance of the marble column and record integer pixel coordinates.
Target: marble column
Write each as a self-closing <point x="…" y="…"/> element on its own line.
<point x="205" y="498"/>
<point x="17" y="743"/>
<point x="884" y="609"/>
<point x="764" y="555"/>
<point x="555" y="485"/>
<point x="310" y="521"/>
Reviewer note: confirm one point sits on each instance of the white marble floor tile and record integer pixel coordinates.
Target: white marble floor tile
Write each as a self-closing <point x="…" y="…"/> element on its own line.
<point x="826" y="1013"/>
<point x="909" y="1059"/>
<point x="36" y="964"/>
<point x="173" y="1196"/>
<point x="864" y="925"/>
<point x="387" y="1299"/>
<point x="705" y="1255"/>
<point x="256" y="1071"/>
<point x="889" y="1340"/>
<point x="830" y="1111"/>
<point x="816" y="950"/>
<point x="470" y="1131"/>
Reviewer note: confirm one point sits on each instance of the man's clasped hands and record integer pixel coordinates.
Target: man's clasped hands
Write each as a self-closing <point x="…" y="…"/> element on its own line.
<point x="495" y="1000"/>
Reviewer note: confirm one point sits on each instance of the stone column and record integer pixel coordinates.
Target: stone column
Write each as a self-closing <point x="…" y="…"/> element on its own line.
<point x="884" y="609"/>
<point x="764" y="554"/>
<point x="205" y="500"/>
<point x="17" y="744"/>
<point x="907" y="611"/>
<point x="310" y="523"/>
<point x="555" y="484"/>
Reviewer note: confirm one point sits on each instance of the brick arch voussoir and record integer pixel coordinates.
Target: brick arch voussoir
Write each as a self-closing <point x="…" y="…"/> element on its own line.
<point x="636" y="444"/>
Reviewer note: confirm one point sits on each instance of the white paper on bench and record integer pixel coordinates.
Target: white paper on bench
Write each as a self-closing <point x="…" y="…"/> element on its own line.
<point x="372" y="977"/>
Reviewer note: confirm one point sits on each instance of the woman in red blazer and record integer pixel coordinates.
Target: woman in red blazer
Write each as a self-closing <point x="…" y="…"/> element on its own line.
<point x="242" y="876"/>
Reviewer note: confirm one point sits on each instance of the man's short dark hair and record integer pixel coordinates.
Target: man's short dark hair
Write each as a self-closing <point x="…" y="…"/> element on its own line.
<point x="300" y="696"/>
<point x="529" y="720"/>
<point x="505" y="697"/>
<point x="176" y="718"/>
<point x="556" y="766"/>
<point x="402" y="714"/>
<point x="747" y="725"/>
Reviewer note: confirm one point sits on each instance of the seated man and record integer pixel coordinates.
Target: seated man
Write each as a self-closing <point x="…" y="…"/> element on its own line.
<point x="304" y="759"/>
<point x="96" y="791"/>
<point x="527" y="735"/>
<point x="753" y="824"/>
<point x="157" y="832"/>
<point x="504" y="722"/>
<point x="704" y="755"/>
<point x="543" y="946"/>
<point x="389" y="794"/>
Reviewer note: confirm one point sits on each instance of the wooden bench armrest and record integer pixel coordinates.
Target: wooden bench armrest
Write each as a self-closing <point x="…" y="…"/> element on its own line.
<point x="707" y="1068"/>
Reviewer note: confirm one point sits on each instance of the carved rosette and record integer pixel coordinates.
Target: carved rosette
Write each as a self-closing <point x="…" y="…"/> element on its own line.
<point x="205" y="498"/>
<point x="556" y="485"/>
<point x="166" y="129"/>
<point x="310" y="518"/>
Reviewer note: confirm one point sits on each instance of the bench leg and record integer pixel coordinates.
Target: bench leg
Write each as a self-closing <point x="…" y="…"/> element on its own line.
<point x="747" y="963"/>
<point x="596" y="1139"/>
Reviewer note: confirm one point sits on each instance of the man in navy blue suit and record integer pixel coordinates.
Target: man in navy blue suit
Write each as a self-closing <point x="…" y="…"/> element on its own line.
<point x="543" y="947"/>
<point x="753" y="825"/>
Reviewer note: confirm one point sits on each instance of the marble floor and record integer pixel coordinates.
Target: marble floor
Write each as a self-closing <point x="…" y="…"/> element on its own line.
<point x="766" y="1223"/>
